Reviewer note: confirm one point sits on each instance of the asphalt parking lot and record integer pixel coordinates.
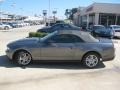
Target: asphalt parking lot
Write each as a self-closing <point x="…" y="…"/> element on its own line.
<point x="55" y="76"/>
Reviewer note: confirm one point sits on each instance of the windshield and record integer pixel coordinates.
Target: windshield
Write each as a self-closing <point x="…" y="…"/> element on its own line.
<point x="98" y="27"/>
<point x="47" y="36"/>
<point x="116" y="27"/>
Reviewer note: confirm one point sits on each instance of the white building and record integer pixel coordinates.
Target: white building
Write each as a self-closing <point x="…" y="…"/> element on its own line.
<point x="98" y="13"/>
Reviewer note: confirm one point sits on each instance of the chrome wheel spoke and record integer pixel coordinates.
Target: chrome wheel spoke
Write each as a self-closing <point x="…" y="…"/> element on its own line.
<point x="91" y="60"/>
<point x="24" y="58"/>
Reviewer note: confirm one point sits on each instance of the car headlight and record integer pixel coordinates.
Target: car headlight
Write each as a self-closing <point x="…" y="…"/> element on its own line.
<point x="8" y="48"/>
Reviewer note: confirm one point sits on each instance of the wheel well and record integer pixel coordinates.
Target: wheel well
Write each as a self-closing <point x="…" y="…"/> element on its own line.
<point x="13" y="57"/>
<point x="6" y="27"/>
<point x="92" y="52"/>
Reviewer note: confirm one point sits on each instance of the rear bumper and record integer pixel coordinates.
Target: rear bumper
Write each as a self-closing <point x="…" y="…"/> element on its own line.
<point x="109" y="59"/>
<point x="110" y="56"/>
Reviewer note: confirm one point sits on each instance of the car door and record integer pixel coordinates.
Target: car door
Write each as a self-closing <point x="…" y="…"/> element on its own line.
<point x="58" y="47"/>
<point x="79" y="47"/>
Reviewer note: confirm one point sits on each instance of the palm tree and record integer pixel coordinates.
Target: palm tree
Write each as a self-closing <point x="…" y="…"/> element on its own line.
<point x="67" y="13"/>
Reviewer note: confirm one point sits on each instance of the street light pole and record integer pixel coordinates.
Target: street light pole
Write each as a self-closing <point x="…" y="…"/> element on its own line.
<point x="45" y="14"/>
<point x="49" y="14"/>
<point x="13" y="6"/>
<point x="1" y="11"/>
<point x="21" y="14"/>
<point x="49" y="8"/>
<point x="54" y="13"/>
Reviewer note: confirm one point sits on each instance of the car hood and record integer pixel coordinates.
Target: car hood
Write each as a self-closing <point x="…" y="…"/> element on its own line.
<point x="24" y="41"/>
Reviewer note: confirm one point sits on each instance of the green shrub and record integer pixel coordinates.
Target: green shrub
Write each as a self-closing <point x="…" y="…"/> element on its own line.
<point x="37" y="34"/>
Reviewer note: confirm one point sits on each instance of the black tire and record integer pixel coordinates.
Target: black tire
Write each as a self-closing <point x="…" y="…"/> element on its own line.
<point x="6" y="28"/>
<point x="91" y="63"/>
<point x="20" y="58"/>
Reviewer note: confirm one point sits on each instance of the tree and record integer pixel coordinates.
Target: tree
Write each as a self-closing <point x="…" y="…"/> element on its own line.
<point x="73" y="11"/>
<point x="67" y="13"/>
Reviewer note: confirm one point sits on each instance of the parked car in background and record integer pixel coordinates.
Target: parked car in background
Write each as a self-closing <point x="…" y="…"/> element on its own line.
<point x="5" y="26"/>
<point x="116" y="30"/>
<point x="15" y="24"/>
<point x="8" y="23"/>
<point x="59" y="26"/>
<point x="62" y="45"/>
<point x="54" y="22"/>
<point x="101" y="31"/>
<point x="50" y="23"/>
<point x="26" y="24"/>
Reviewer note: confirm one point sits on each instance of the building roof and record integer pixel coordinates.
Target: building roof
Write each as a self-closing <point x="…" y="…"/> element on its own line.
<point x="30" y="18"/>
<point x="111" y="8"/>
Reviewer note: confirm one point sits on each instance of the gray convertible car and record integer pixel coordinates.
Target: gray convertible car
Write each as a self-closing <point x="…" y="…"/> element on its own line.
<point x="62" y="45"/>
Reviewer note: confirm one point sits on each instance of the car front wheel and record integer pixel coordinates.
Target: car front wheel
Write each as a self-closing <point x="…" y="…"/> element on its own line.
<point x="6" y="28"/>
<point x="23" y="58"/>
<point x="91" y="60"/>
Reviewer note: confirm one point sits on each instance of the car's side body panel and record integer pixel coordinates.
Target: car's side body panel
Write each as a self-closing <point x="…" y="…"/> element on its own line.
<point x="40" y="50"/>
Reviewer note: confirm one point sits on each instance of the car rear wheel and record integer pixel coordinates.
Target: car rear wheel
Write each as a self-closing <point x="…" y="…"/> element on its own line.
<point x="6" y="28"/>
<point x="91" y="60"/>
<point x="23" y="58"/>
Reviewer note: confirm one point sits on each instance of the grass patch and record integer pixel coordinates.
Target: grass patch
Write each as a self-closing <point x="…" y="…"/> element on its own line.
<point x="37" y="34"/>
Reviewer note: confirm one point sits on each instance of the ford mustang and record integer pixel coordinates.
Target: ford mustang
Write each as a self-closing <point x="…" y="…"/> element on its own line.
<point x="62" y="45"/>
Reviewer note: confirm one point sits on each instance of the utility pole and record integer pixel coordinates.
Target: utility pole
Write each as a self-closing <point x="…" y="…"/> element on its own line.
<point x="1" y="1"/>
<point x="49" y="13"/>
<point x="45" y="14"/>
<point x="54" y="13"/>
<point x="13" y="6"/>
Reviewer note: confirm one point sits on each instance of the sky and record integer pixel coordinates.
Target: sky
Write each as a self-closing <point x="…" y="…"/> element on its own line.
<point x="32" y="7"/>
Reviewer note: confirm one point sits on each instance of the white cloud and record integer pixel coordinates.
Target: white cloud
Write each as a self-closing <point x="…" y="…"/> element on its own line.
<point x="2" y="0"/>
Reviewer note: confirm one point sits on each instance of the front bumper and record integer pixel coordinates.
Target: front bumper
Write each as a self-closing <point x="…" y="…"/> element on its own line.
<point x="117" y="34"/>
<point x="9" y="53"/>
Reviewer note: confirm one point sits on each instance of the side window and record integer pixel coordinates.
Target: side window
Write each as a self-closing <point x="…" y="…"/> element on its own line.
<point x="65" y="38"/>
<point x="60" y="39"/>
<point x="76" y="39"/>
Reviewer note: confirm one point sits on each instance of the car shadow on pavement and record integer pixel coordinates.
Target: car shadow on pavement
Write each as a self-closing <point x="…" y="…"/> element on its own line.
<point x="5" y="62"/>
